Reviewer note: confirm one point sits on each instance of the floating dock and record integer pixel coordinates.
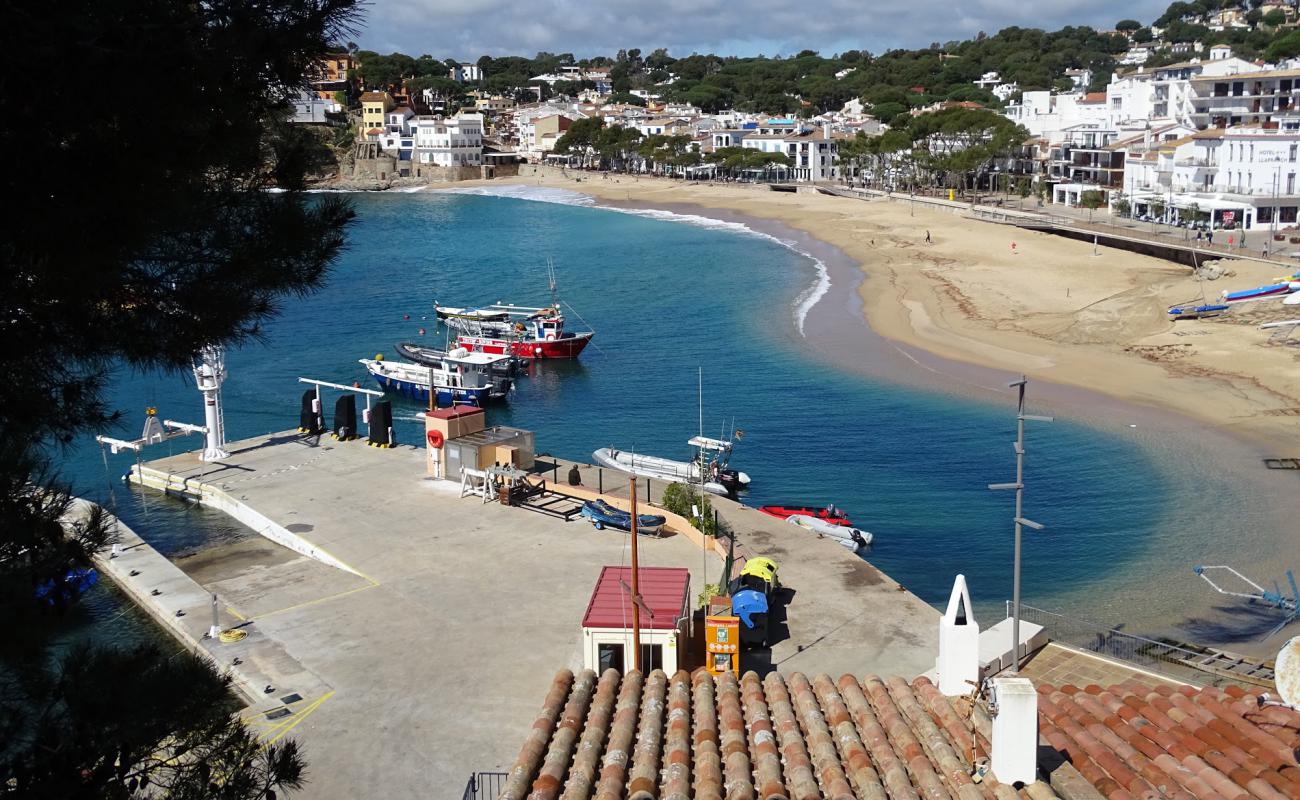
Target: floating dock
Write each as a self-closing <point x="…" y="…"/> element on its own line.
<point x="431" y="623"/>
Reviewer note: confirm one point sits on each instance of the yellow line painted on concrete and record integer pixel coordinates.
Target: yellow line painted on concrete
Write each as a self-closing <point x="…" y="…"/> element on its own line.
<point x="307" y="603"/>
<point x="300" y="716"/>
<point x="236" y="614"/>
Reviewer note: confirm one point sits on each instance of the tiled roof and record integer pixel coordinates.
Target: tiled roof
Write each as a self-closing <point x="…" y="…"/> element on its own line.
<point x="788" y="736"/>
<point x="1133" y="741"/>
<point x="784" y="736"/>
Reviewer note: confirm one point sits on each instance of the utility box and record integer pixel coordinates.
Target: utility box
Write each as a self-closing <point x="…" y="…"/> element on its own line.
<point x="1015" y="731"/>
<point x="721" y="637"/>
<point x="959" y="644"/>
<point x="487" y="447"/>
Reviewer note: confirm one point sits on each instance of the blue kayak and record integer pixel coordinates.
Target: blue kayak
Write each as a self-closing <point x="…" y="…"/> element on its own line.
<point x="601" y="514"/>
<point x="1196" y="312"/>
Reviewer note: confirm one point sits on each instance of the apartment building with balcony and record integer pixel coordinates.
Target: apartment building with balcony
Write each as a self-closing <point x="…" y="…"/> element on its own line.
<point x="1243" y="176"/>
<point x="1221" y="101"/>
<point x="448" y="142"/>
<point x="1082" y="160"/>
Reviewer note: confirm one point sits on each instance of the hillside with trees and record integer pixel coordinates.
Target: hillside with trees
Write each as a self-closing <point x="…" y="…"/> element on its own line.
<point x="809" y="83"/>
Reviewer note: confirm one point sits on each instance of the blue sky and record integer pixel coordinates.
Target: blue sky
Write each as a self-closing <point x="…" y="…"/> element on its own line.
<point x="467" y="29"/>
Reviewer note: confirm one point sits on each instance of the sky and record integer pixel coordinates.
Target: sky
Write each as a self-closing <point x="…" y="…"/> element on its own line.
<point x="467" y="29"/>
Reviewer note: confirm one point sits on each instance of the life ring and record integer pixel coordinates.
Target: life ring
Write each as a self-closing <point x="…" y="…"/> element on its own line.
<point x="435" y="439"/>
<point x="550" y="337"/>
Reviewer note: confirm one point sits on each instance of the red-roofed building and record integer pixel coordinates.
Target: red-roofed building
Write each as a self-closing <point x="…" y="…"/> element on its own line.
<point x="665" y="619"/>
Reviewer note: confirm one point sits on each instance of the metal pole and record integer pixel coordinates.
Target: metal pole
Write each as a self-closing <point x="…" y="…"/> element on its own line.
<point x="1020" y="493"/>
<point x="1020" y="519"/>
<point x="636" y="597"/>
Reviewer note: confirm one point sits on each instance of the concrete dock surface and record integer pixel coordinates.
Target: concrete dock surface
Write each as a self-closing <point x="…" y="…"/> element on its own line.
<point x="437" y="622"/>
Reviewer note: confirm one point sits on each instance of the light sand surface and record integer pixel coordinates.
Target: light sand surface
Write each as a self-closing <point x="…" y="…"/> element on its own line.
<point x="1020" y="300"/>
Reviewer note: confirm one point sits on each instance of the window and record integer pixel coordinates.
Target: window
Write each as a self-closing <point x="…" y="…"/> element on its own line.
<point x="609" y="656"/>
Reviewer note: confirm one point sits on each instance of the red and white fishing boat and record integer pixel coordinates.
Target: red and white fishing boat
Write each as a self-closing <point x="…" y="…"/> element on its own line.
<point x="514" y="330"/>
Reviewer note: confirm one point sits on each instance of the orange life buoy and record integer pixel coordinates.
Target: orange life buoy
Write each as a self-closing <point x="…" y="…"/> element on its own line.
<point x="435" y="439"/>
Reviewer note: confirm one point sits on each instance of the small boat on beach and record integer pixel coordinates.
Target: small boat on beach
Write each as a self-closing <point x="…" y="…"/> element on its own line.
<point x="603" y="514"/>
<point x="459" y="377"/>
<point x="1262" y="292"/>
<point x="1197" y="312"/>
<point x="848" y="536"/>
<point x="718" y="478"/>
<point x="829" y="514"/>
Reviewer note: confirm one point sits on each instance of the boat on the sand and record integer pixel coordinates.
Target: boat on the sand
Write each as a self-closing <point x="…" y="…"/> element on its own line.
<point x="1197" y="312"/>
<point x="1262" y="292"/>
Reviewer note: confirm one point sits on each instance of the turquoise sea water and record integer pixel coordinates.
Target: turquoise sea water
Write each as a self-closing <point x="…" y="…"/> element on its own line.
<point x="665" y="299"/>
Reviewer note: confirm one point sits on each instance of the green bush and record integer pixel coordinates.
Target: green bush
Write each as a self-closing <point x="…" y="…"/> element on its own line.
<point x="678" y="498"/>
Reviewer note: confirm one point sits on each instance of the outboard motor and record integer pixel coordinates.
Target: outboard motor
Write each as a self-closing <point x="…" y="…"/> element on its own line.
<point x="381" y="425"/>
<point x="309" y="418"/>
<point x="345" y="418"/>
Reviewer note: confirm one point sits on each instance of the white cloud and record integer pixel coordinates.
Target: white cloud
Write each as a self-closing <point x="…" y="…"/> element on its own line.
<point x="466" y="29"/>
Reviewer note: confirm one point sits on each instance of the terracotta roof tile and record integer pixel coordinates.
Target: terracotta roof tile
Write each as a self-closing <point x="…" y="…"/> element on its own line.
<point x="887" y="739"/>
<point x="1185" y="742"/>
<point x="787" y="736"/>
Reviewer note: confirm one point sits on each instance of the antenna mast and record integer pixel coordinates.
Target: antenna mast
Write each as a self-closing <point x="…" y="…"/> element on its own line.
<point x="209" y="374"/>
<point x="1019" y="519"/>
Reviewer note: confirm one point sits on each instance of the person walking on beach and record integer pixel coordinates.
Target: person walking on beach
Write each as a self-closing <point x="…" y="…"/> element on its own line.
<point x="1209" y="237"/>
<point x="927" y="238"/>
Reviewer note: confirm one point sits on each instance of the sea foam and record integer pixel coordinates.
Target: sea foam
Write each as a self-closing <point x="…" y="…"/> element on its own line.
<point x="803" y="303"/>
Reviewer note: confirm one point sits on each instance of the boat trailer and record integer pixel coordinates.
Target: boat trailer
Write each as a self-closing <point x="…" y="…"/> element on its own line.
<point x="1290" y="606"/>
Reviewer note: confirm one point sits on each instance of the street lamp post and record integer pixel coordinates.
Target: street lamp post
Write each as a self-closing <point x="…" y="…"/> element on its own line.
<point x="1019" y="519"/>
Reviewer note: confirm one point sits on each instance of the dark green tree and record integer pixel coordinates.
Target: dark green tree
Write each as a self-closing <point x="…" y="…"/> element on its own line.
<point x="174" y="244"/>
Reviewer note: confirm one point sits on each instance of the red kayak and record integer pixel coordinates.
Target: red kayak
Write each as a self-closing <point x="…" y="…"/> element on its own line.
<point x="829" y="514"/>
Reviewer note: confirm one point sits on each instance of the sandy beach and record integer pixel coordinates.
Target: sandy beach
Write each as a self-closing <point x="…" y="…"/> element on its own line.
<point x="1018" y="300"/>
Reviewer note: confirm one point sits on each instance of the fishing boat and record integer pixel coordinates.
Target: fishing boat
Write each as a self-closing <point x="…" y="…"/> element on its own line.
<point x="601" y="514"/>
<point x="710" y="464"/>
<point x="511" y="366"/>
<point x="1197" y="312"/>
<point x="829" y="514"/>
<point x="460" y="377"/>
<point x="1262" y="292"/>
<point x="522" y="331"/>
<point x="846" y="535"/>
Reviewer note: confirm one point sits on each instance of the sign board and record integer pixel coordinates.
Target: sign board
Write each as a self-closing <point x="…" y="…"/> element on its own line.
<point x="1229" y="216"/>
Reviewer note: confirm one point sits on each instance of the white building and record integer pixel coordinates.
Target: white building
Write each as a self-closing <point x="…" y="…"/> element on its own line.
<point x="812" y="153"/>
<point x="448" y="142"/>
<point x="1242" y="176"/>
<point x="465" y="73"/>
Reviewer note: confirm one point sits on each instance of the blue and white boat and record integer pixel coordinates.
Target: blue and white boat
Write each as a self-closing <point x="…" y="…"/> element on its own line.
<point x="458" y="377"/>
<point x="602" y="514"/>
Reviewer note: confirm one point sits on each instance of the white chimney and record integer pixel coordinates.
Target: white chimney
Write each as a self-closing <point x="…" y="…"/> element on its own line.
<point x="959" y="644"/>
<point x="1015" y="730"/>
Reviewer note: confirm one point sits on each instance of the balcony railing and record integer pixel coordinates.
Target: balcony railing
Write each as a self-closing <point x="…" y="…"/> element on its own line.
<point x="1192" y="162"/>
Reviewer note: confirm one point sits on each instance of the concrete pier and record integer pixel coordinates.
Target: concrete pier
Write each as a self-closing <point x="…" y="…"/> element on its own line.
<point x="434" y="623"/>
